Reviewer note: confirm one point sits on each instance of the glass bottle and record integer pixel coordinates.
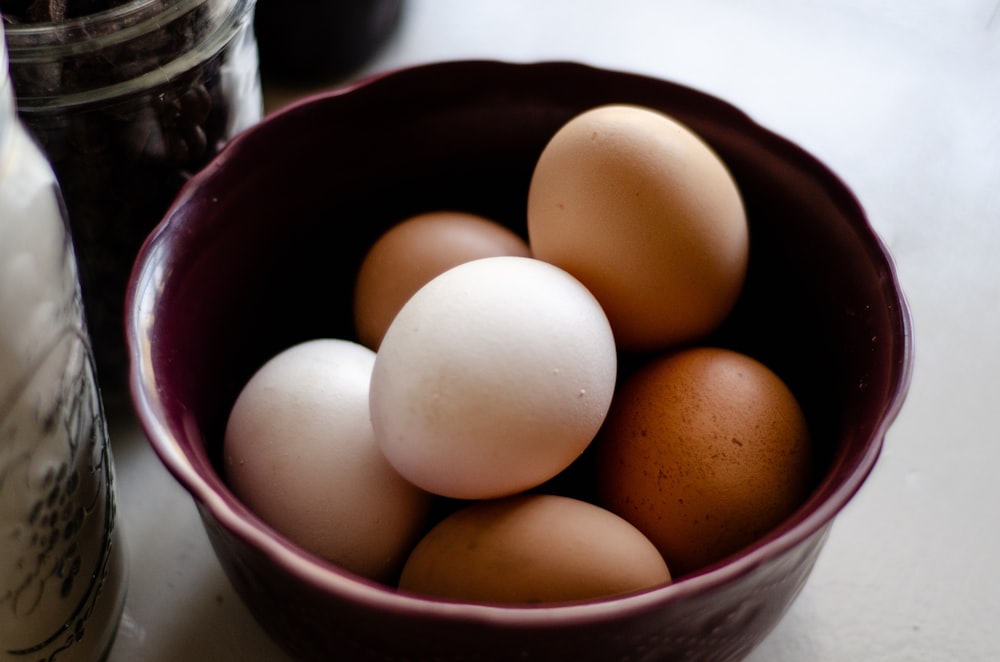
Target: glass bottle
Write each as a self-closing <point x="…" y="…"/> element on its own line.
<point x="128" y="101"/>
<point x="62" y="568"/>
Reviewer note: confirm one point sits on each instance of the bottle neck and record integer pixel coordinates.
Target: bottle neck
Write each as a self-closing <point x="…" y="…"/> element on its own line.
<point x="7" y="109"/>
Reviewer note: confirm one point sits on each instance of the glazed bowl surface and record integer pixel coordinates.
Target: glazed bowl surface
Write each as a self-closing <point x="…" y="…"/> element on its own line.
<point x="259" y="252"/>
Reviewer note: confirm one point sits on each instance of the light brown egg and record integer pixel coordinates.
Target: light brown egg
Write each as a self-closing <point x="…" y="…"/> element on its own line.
<point x="411" y="253"/>
<point x="646" y="215"/>
<point x="532" y="549"/>
<point x="704" y="450"/>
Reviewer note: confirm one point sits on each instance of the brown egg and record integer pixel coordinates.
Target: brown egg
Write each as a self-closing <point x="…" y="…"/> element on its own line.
<point x="411" y="253"/>
<point x="646" y="215"/>
<point x="704" y="450"/>
<point x="532" y="549"/>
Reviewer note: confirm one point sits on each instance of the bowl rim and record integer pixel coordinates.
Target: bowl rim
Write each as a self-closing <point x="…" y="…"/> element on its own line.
<point x="223" y="507"/>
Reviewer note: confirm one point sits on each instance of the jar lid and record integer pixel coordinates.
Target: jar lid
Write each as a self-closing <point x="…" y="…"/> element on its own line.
<point x="107" y="54"/>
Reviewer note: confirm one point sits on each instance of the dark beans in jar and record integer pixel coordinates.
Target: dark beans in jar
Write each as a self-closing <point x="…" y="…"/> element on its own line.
<point x="121" y="161"/>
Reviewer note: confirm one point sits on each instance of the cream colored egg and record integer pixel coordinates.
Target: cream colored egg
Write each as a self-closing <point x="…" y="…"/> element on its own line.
<point x="492" y="378"/>
<point x="533" y="549"/>
<point x="646" y="215"/>
<point x="300" y="453"/>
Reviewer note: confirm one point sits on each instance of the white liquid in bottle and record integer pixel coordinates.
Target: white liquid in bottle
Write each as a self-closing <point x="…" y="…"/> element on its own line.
<point x="62" y="575"/>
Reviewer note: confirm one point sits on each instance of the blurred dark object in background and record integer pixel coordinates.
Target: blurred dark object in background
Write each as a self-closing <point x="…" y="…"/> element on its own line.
<point x="314" y="41"/>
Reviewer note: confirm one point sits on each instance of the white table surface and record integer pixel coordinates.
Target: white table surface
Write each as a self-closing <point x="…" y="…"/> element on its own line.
<point x="902" y="100"/>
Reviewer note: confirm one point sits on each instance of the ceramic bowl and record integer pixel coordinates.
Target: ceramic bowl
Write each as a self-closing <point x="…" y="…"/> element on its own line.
<point x="259" y="252"/>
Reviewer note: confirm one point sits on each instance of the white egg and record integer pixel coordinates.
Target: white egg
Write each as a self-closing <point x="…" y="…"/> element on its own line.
<point x="300" y="453"/>
<point x="492" y="378"/>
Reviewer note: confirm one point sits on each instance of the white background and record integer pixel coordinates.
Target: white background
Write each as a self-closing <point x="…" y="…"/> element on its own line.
<point x="902" y="100"/>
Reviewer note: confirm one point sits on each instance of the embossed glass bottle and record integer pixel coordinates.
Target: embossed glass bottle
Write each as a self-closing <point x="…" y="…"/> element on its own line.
<point x="62" y="572"/>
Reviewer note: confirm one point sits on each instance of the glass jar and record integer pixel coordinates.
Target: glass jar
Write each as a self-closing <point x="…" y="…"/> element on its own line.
<point x="62" y="567"/>
<point x="127" y="103"/>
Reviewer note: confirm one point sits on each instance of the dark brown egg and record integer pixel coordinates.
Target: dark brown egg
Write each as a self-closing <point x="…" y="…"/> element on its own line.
<point x="704" y="450"/>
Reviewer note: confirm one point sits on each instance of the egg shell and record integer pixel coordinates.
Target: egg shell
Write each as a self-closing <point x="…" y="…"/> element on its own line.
<point x="411" y="253"/>
<point x="646" y="215"/>
<point x="533" y="549"/>
<point x="704" y="450"/>
<point x="300" y="452"/>
<point x="493" y="378"/>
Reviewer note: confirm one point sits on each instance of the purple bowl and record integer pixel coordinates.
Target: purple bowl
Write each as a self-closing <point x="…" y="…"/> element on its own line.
<point x="259" y="252"/>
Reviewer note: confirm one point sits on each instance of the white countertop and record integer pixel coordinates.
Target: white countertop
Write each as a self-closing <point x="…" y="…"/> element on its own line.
<point x="902" y="100"/>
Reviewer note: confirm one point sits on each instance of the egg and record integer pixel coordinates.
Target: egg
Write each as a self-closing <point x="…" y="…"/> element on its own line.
<point x="492" y="378"/>
<point x="705" y="450"/>
<point x="647" y="216"/>
<point x="532" y="549"/>
<point x="300" y="452"/>
<point x="411" y="253"/>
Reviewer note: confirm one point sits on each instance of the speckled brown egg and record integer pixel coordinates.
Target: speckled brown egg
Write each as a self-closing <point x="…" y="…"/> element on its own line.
<point x="413" y="252"/>
<point x="704" y="450"/>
